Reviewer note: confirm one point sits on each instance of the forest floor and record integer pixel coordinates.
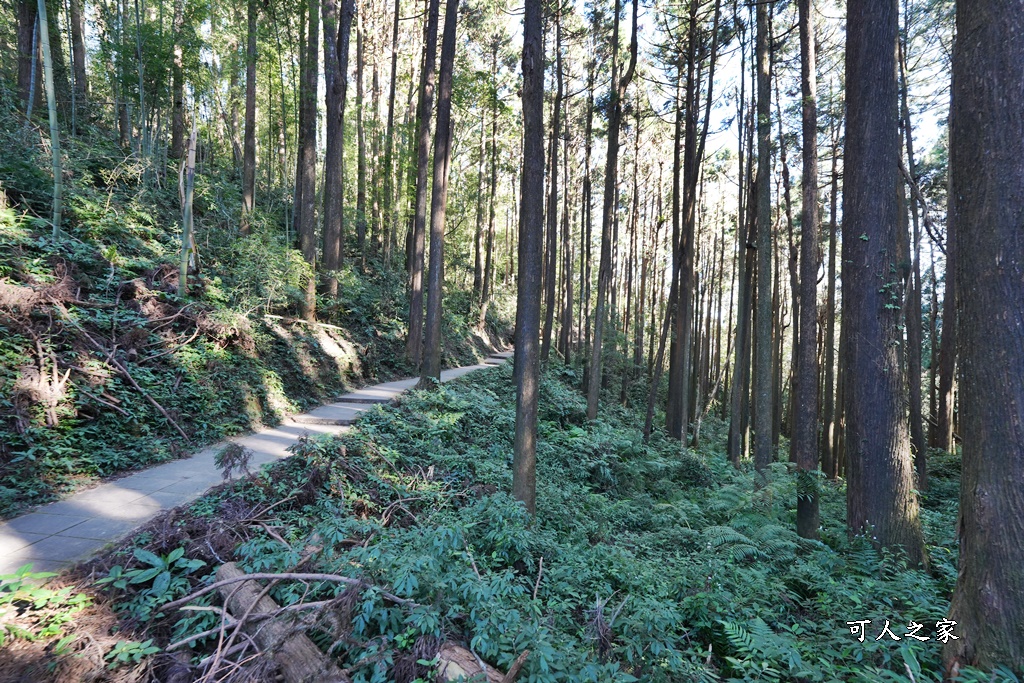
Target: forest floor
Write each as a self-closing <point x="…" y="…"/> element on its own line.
<point x="397" y="541"/>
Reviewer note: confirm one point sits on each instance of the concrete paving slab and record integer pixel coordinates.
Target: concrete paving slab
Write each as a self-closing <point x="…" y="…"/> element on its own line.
<point x="333" y="414"/>
<point x="39" y="523"/>
<point x="11" y="540"/>
<point x="62" y="548"/>
<point x="100" y="529"/>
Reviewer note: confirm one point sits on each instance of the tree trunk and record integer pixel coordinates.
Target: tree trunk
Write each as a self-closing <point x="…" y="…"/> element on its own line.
<point x="186" y="215"/>
<point x="478" y="235"/>
<point x="388" y="221"/>
<point x="337" y="36"/>
<point x="51" y="106"/>
<point x="527" y="360"/>
<point x="880" y="499"/>
<point x="305" y="212"/>
<point x="432" y="341"/>
<point x="28" y="38"/>
<point x="249" y="146"/>
<point x="485" y="295"/>
<point x="987" y="165"/>
<point x="604" y="277"/>
<point x="805" y="428"/>
<point x="828" y="454"/>
<point x="734" y="440"/>
<point x="942" y="436"/>
<point x="77" y="23"/>
<point x="914" y="327"/>
<point x="414" y="342"/>
<point x="361" y="146"/>
<point x="763" y="455"/>
<point x="178" y="85"/>
<point x="551" y="215"/>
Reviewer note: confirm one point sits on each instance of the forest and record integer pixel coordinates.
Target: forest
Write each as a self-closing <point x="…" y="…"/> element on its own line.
<point x="758" y="268"/>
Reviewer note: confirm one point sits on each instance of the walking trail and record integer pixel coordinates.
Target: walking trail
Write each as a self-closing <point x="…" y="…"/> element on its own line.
<point x="62" y="533"/>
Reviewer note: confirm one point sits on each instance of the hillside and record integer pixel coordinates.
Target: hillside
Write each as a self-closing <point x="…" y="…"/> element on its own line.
<point x="105" y="369"/>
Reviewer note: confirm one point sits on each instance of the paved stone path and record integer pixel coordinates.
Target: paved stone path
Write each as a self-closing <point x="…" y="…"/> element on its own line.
<point x="61" y="533"/>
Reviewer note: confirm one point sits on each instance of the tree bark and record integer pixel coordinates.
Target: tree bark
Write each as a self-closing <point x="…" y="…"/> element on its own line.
<point x="527" y="352"/>
<point x="388" y="221"/>
<point x="913" y="308"/>
<point x="987" y="146"/>
<point x="880" y="500"/>
<point x="305" y="212"/>
<point x="805" y="428"/>
<point x="551" y="215"/>
<point x="28" y="37"/>
<point x="361" y="145"/>
<point x="604" y="277"/>
<point x="414" y="342"/>
<point x="51" y="106"/>
<point x="177" y="85"/>
<point x="485" y="295"/>
<point x="828" y="412"/>
<point x="337" y="36"/>
<point x="432" y="341"/>
<point x="763" y="455"/>
<point x="249" y="146"/>
<point x="77" y="23"/>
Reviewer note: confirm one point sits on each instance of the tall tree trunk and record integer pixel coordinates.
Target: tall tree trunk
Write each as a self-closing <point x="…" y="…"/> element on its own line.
<point x="551" y="252"/>
<point x="361" y="144"/>
<point x="249" y="147"/>
<point x="604" y="277"/>
<point x="737" y="399"/>
<point x="880" y="497"/>
<point x="828" y="412"/>
<point x="187" y="239"/>
<point x="527" y="360"/>
<point x="28" y="38"/>
<point x="587" y="224"/>
<point x="389" y="221"/>
<point x="77" y="25"/>
<point x="567" y="257"/>
<point x="763" y="455"/>
<point x="987" y="166"/>
<point x="805" y="428"/>
<point x="337" y="36"/>
<point x="943" y="433"/>
<point x="485" y="295"/>
<point x="914" y="326"/>
<point x="432" y="341"/>
<point x="51" y="106"/>
<point x="478" y="234"/>
<point x="177" y="85"/>
<point x="305" y="211"/>
<point x="414" y="342"/>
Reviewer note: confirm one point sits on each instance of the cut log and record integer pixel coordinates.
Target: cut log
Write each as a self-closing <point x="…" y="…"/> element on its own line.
<point x="300" y="660"/>
<point x="455" y="662"/>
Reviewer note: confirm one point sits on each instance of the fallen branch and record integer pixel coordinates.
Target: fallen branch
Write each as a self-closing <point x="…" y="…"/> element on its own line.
<point x="172" y="349"/>
<point x="299" y="658"/>
<point x="120" y="368"/>
<point x="108" y="404"/>
<point x="287" y="576"/>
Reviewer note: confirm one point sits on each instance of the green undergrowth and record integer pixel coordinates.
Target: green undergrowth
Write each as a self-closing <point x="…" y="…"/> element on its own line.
<point x="645" y="562"/>
<point x="104" y="369"/>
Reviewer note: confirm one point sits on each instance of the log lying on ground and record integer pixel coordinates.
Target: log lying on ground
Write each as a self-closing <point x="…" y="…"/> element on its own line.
<point x="300" y="660"/>
<point x="455" y="662"/>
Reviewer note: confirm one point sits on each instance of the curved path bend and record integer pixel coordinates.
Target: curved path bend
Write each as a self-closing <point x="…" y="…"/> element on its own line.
<point x="68" y="531"/>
